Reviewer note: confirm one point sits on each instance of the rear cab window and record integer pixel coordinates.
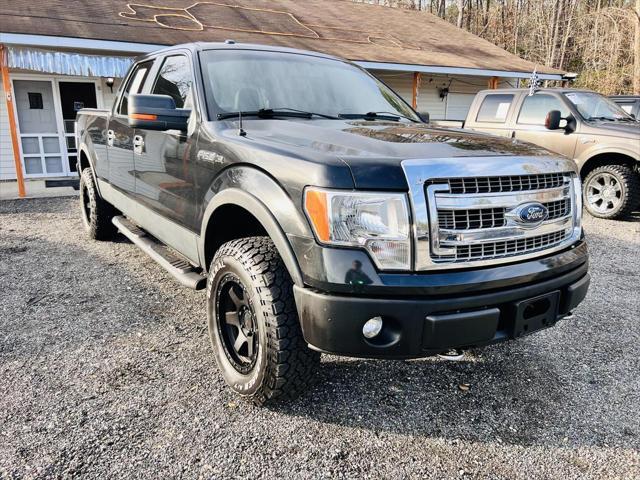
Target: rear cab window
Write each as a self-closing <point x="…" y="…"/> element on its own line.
<point x="495" y="108"/>
<point x="134" y="85"/>
<point x="535" y="108"/>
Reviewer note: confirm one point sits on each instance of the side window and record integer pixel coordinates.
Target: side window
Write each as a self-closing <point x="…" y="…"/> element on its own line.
<point x="174" y="80"/>
<point x="134" y="85"/>
<point x="494" y="108"/>
<point x="627" y="107"/>
<point x="535" y="108"/>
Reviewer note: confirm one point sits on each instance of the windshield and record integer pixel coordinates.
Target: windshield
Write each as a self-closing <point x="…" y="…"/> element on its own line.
<point x="593" y="106"/>
<point x="253" y="80"/>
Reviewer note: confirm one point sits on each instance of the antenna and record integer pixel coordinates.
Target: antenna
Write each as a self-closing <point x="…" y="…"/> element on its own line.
<point x="241" y="131"/>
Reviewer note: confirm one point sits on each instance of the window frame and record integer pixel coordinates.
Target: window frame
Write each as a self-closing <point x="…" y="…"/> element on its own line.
<point x="496" y="121"/>
<point x="128" y="81"/>
<point x="161" y="64"/>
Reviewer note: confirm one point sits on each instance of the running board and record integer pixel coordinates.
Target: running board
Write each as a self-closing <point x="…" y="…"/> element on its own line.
<point x="177" y="266"/>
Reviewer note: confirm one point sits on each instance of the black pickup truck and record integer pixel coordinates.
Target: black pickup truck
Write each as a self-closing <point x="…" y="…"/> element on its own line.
<point x="321" y="213"/>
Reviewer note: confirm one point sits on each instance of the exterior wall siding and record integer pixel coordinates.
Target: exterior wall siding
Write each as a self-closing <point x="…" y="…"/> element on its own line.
<point x="7" y="167"/>
<point x="455" y="106"/>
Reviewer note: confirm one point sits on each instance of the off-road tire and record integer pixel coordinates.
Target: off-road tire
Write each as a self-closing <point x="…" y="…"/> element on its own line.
<point x="95" y="212"/>
<point x="285" y="367"/>
<point x="629" y="182"/>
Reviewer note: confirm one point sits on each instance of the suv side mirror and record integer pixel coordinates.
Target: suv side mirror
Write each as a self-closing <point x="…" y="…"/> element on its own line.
<point x="156" y="112"/>
<point x="424" y="116"/>
<point x="552" y="121"/>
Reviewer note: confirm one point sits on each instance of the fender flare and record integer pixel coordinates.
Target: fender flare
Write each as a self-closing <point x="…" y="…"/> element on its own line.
<point x="598" y="150"/>
<point x="243" y="199"/>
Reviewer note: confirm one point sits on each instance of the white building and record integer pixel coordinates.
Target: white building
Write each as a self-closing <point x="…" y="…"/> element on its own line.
<point x="75" y="58"/>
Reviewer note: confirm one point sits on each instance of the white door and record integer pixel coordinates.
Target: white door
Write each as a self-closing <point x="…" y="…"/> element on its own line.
<point x="40" y="136"/>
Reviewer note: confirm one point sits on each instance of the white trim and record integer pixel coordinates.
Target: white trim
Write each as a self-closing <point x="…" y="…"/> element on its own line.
<point x="131" y="47"/>
<point x="77" y="43"/>
<point x="478" y="72"/>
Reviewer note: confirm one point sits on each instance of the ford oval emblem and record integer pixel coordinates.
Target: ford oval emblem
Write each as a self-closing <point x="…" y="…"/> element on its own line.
<point x="529" y="214"/>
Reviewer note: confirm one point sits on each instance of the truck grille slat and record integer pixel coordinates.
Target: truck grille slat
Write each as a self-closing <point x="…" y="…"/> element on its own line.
<point x="492" y="217"/>
<point x="516" y="183"/>
<point x="487" y="251"/>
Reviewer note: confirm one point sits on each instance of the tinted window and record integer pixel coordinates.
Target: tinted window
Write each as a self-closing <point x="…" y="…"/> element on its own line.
<point x="494" y="108"/>
<point x="174" y="80"/>
<point x="134" y="85"/>
<point x="535" y="108"/>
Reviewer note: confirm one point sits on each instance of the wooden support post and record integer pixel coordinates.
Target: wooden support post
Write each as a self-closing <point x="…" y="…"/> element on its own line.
<point x="416" y="86"/>
<point x="13" y="129"/>
<point x="494" y="82"/>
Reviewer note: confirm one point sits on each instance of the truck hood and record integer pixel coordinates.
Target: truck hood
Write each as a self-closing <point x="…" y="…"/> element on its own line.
<point x="374" y="150"/>
<point x="617" y="129"/>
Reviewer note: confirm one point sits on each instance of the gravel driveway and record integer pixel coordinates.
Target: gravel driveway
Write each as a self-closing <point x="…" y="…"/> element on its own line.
<point x="106" y="372"/>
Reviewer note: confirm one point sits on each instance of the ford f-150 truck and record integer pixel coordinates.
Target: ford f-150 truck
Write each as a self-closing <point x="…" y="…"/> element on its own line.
<point x="599" y="135"/>
<point x="322" y="214"/>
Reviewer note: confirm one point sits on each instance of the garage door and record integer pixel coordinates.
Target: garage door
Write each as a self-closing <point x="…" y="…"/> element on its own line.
<point x="458" y="105"/>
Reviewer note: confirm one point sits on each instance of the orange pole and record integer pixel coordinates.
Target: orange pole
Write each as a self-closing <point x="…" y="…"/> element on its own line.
<point x="6" y="84"/>
<point x="416" y="84"/>
<point x="494" y="82"/>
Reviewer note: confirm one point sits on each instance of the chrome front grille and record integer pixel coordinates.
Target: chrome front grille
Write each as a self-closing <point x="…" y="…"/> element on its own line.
<point x="465" y="220"/>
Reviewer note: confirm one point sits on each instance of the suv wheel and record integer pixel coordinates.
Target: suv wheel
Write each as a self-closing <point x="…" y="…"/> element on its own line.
<point x="253" y="323"/>
<point x="96" y="213"/>
<point x="611" y="191"/>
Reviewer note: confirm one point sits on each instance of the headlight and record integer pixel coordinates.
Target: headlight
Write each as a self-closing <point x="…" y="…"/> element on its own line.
<point x="377" y="222"/>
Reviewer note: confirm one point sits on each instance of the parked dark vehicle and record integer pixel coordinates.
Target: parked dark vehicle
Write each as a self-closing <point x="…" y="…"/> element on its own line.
<point x="602" y="138"/>
<point x="322" y="215"/>
<point x="628" y="103"/>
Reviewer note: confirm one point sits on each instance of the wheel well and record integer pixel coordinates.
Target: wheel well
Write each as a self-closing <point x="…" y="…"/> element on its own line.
<point x="84" y="161"/>
<point x="607" y="159"/>
<point x="229" y="222"/>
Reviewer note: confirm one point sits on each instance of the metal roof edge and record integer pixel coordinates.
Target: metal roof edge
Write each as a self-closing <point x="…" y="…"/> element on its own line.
<point x="480" y="72"/>
<point x="140" y="48"/>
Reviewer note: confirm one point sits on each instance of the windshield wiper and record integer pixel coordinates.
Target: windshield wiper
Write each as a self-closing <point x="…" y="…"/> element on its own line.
<point x="377" y="116"/>
<point x="601" y="118"/>
<point x="272" y="112"/>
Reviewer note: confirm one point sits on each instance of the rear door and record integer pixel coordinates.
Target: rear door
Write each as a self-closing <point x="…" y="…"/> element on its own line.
<point x="120" y="134"/>
<point x="529" y="123"/>
<point x="493" y="113"/>
<point x="165" y="178"/>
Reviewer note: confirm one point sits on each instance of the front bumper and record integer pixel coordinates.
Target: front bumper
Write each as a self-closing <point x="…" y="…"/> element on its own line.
<point x="429" y="324"/>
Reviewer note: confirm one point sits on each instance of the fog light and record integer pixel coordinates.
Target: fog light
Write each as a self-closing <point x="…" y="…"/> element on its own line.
<point x="372" y="327"/>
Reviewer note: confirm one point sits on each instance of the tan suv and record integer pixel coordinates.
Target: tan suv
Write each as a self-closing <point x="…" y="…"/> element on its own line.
<point x="601" y="137"/>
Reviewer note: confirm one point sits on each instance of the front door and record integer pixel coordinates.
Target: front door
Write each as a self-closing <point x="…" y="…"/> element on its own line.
<point x="40" y="138"/>
<point x="529" y="124"/>
<point x="73" y="97"/>
<point x="165" y="180"/>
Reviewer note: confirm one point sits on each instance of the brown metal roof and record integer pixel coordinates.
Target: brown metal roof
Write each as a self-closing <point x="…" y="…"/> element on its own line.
<point x="339" y="27"/>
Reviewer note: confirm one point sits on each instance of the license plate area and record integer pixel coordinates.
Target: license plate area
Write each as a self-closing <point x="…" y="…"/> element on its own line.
<point x="535" y="314"/>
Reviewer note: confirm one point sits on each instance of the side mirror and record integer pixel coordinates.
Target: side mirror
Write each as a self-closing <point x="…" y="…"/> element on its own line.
<point x="156" y="112"/>
<point x="552" y="121"/>
<point x="424" y="116"/>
